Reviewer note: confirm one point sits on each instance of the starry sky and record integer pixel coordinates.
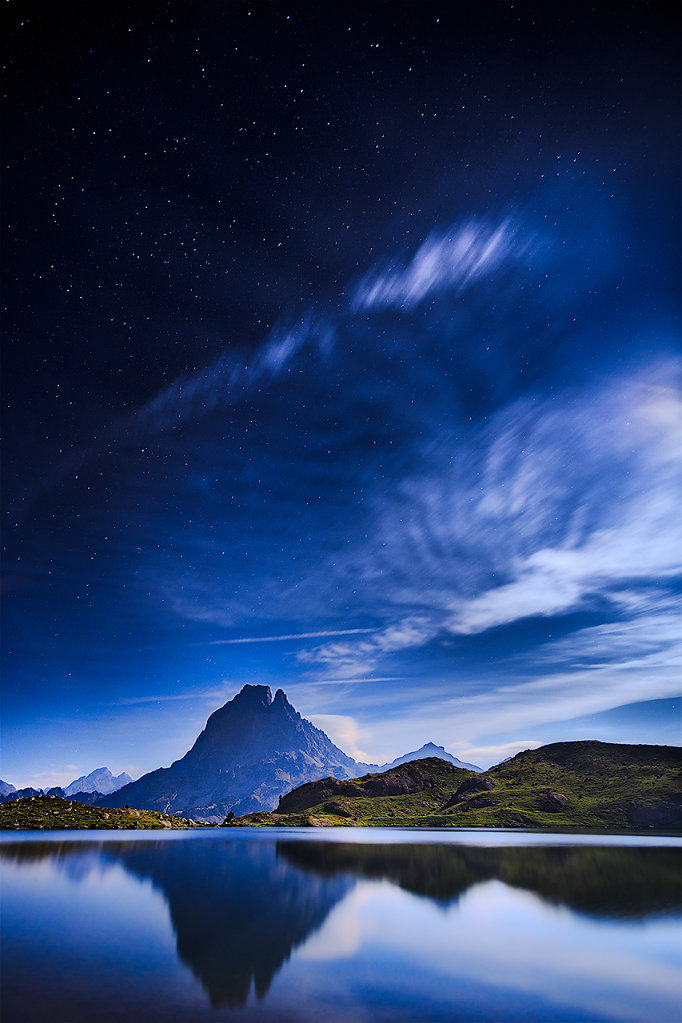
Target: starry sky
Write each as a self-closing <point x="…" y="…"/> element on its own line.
<point x="341" y="355"/>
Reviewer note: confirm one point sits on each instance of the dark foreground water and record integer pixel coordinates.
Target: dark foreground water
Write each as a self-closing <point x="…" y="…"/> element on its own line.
<point x="345" y="925"/>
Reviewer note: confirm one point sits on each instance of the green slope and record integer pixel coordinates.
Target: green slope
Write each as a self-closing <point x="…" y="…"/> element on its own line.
<point x="572" y="785"/>
<point x="50" y="813"/>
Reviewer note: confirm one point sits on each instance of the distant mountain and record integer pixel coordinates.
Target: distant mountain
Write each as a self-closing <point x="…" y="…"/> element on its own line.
<point x="252" y="751"/>
<point x="20" y="794"/>
<point x="99" y="780"/>
<point x="28" y="793"/>
<point x="429" y="750"/>
<point x="87" y="789"/>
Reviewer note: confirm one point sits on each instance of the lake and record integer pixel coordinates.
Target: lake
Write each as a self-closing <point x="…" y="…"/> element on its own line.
<point x="343" y="925"/>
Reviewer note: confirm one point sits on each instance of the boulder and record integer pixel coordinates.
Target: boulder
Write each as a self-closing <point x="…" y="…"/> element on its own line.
<point x="551" y="802"/>
<point x="482" y="783"/>
<point x="480" y="802"/>
<point x="337" y="808"/>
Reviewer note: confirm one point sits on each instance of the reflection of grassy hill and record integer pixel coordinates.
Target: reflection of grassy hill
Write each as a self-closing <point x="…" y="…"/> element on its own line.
<point x="580" y="785"/>
<point x="601" y="881"/>
<point x="51" y="813"/>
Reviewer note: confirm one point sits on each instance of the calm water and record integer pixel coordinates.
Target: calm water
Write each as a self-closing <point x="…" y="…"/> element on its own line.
<point x="344" y="926"/>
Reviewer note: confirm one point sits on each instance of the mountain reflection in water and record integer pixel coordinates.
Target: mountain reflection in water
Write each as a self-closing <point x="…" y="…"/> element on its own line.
<point x="240" y="908"/>
<point x="237" y="909"/>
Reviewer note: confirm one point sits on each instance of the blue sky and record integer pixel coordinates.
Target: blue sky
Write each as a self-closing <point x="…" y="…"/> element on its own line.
<point x="405" y="443"/>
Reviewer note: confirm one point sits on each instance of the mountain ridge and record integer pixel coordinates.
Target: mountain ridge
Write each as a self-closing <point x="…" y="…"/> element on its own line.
<point x="84" y="789"/>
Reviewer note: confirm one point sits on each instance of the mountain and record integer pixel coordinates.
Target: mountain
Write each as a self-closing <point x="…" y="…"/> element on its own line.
<point x="99" y="780"/>
<point x="581" y="785"/>
<point x="430" y="749"/>
<point x="6" y="788"/>
<point x="20" y="794"/>
<point x="28" y="793"/>
<point x="252" y="750"/>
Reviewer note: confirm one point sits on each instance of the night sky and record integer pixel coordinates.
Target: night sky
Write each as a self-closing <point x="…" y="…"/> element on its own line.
<point x="341" y="354"/>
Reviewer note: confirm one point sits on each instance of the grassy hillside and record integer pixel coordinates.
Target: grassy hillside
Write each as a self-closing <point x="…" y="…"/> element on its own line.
<point x="51" y="813"/>
<point x="572" y="785"/>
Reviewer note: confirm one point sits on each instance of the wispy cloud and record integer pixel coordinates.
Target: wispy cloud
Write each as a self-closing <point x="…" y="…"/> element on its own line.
<point x="616" y="514"/>
<point x="344" y="732"/>
<point x="227" y="380"/>
<point x="561" y="696"/>
<point x="344" y="660"/>
<point x="476" y="726"/>
<point x="352" y="681"/>
<point x="299" y="635"/>
<point x="657" y="634"/>
<point x="133" y="701"/>
<point x="552" y="506"/>
<point x="451" y="260"/>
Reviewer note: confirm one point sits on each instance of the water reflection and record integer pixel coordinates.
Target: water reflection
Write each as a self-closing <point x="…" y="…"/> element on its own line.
<point x="239" y="909"/>
<point x="606" y="882"/>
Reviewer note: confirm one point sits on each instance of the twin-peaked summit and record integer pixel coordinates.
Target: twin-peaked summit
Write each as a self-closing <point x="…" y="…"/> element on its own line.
<point x="253" y="725"/>
<point x="252" y="750"/>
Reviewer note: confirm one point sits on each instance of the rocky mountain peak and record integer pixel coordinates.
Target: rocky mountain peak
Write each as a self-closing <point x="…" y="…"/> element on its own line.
<point x="253" y="696"/>
<point x="100" y="780"/>
<point x="252" y="750"/>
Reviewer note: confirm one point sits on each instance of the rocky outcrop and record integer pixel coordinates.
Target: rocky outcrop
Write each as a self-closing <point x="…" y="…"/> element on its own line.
<point x="551" y="802"/>
<point x="481" y="802"/>
<point x="470" y="785"/>
<point x="316" y="792"/>
<point x="338" y="808"/>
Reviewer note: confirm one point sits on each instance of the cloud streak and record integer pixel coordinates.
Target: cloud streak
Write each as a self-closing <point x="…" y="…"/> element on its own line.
<point x="228" y="379"/>
<point x="349" y="659"/>
<point x="552" y="506"/>
<point x="282" y="639"/>
<point x="445" y="261"/>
